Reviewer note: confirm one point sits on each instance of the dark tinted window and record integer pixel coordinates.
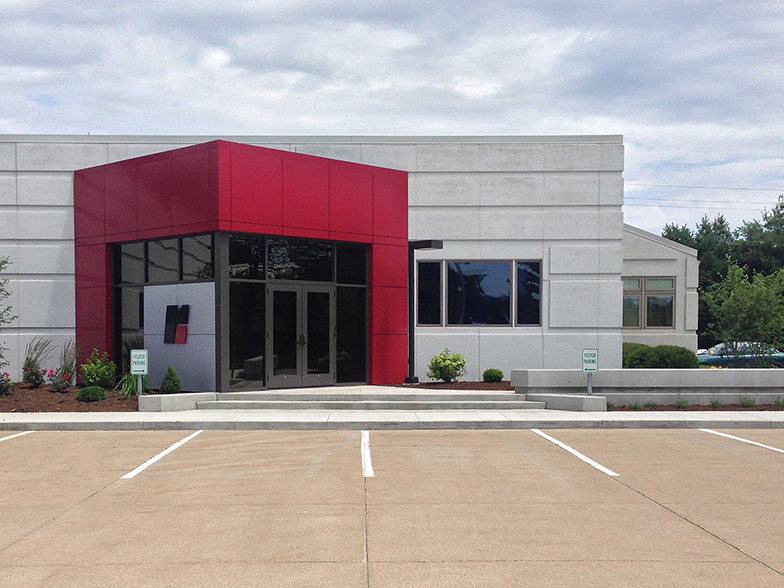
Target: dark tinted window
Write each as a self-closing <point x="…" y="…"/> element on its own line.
<point x="429" y="293"/>
<point x="352" y="263"/>
<point x="478" y="293"/>
<point x="132" y="263"/>
<point x="528" y="293"/>
<point x="197" y="258"/>
<point x="246" y="257"/>
<point x="352" y="335"/>
<point x="294" y="259"/>
<point x="163" y="261"/>
<point x="659" y="311"/>
<point x="247" y="331"/>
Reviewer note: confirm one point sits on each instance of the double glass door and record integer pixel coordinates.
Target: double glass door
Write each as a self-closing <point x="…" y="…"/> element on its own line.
<point x="300" y="335"/>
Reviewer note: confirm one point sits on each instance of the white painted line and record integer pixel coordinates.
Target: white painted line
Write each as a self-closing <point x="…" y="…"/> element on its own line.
<point x="367" y="465"/>
<point x="742" y="440"/>
<point x="576" y="453"/>
<point x="17" y="435"/>
<point x="164" y="453"/>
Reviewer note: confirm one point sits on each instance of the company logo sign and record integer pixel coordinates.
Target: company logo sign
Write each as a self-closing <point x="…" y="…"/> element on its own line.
<point x="176" y="330"/>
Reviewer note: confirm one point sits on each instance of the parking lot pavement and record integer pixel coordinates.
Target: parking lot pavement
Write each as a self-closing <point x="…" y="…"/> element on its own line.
<point x="444" y="508"/>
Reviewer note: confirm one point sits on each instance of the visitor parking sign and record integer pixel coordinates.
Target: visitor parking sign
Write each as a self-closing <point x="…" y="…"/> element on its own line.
<point x="590" y="361"/>
<point x="139" y="362"/>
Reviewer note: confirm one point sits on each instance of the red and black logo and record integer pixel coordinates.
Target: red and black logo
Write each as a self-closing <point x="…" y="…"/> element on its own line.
<point x="176" y="324"/>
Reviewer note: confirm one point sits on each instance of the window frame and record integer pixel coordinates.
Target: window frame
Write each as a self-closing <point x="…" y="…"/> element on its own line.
<point x="644" y="293"/>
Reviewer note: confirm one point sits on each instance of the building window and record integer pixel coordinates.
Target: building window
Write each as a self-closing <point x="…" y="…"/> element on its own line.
<point x="429" y="293"/>
<point x="529" y="287"/>
<point x="649" y="302"/>
<point x="478" y="293"/>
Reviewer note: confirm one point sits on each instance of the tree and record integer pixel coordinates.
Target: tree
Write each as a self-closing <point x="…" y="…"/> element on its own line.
<point x="760" y="244"/>
<point x="5" y="311"/>
<point x="747" y="309"/>
<point x="680" y="234"/>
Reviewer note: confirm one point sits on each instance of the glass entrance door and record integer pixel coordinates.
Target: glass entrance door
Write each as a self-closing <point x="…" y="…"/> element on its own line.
<point x="300" y="335"/>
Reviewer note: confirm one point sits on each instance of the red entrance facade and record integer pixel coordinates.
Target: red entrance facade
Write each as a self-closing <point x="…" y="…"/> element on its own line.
<point x="224" y="187"/>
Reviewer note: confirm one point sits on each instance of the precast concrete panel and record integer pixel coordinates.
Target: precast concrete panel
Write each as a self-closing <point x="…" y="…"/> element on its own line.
<point x="7" y="188"/>
<point x="7" y="156"/>
<point x="45" y="188"/>
<point x="500" y="157"/>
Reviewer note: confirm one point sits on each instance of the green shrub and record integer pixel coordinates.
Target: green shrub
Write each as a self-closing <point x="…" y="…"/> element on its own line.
<point x="99" y="371"/>
<point x="634" y="406"/>
<point x="171" y="382"/>
<point x="650" y="405"/>
<point x="5" y="384"/>
<point x="129" y="385"/>
<point x="681" y="403"/>
<point x="91" y="394"/>
<point x="58" y="381"/>
<point x="779" y="401"/>
<point x="447" y="366"/>
<point x="610" y="405"/>
<point x="716" y="403"/>
<point x="637" y="355"/>
<point x="492" y="375"/>
<point x="36" y="352"/>
<point x="747" y="402"/>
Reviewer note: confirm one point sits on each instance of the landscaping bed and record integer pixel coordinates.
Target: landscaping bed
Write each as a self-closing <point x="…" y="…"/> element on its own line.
<point x="25" y="399"/>
<point x="698" y="407"/>
<point x="504" y="385"/>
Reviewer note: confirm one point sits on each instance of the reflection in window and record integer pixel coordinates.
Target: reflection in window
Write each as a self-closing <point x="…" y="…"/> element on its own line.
<point x="429" y="293"/>
<point x="132" y="263"/>
<point x="163" y="261"/>
<point x="528" y="293"/>
<point x="294" y="259"/>
<point x="659" y="311"/>
<point x="247" y="332"/>
<point x="658" y="308"/>
<point x="478" y="293"/>
<point x="197" y="258"/>
<point x="246" y="257"/>
<point x="352" y="263"/>
<point x="631" y="311"/>
<point x="352" y="335"/>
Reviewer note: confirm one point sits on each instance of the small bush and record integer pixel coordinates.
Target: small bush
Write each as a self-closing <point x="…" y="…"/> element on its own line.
<point x="447" y="366"/>
<point x="36" y="352"/>
<point x="171" y="382"/>
<point x="492" y="375"/>
<point x="716" y="403"/>
<point x="5" y="384"/>
<point x="779" y="401"/>
<point x="634" y="406"/>
<point x="610" y="405"/>
<point x="681" y="403"/>
<point x="91" y="394"/>
<point x="650" y="405"/>
<point x="637" y="355"/>
<point x="129" y="385"/>
<point x="58" y="381"/>
<point x="747" y="402"/>
<point x="99" y="370"/>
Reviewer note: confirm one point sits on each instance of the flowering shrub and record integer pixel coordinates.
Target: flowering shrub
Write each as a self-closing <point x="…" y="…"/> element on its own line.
<point x="33" y="376"/>
<point x="5" y="384"/>
<point x="59" y="380"/>
<point x="36" y="352"/>
<point x="447" y="366"/>
<point x="99" y="371"/>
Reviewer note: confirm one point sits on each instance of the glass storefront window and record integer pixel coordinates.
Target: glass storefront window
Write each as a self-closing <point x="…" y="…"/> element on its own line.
<point x="295" y="259"/>
<point x="132" y="263"/>
<point x="247" y="331"/>
<point x="246" y="257"/>
<point x="352" y="263"/>
<point x="429" y="293"/>
<point x="528" y="293"/>
<point x="658" y="308"/>
<point x="478" y="293"/>
<point x="659" y="311"/>
<point x="631" y="311"/>
<point x="197" y="258"/>
<point x="163" y="261"/>
<point x="352" y="335"/>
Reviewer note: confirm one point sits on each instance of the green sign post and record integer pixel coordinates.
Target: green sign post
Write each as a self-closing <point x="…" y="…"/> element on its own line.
<point x="590" y="366"/>
<point x="139" y="366"/>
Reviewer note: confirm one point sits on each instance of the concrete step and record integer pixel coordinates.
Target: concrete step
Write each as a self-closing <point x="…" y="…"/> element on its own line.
<point x="331" y="395"/>
<point x="370" y="404"/>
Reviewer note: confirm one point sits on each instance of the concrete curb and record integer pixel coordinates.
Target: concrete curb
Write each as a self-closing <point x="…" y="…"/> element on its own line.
<point x="380" y="420"/>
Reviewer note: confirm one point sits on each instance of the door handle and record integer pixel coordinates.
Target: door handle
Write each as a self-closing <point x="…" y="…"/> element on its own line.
<point x="302" y="340"/>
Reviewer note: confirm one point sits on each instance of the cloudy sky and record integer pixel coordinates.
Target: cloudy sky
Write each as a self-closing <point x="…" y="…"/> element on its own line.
<point x="695" y="87"/>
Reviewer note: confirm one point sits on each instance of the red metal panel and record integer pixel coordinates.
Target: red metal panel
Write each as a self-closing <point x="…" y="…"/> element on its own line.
<point x="89" y="219"/>
<point x="350" y="237"/>
<point x="256" y="189"/>
<point x="120" y="182"/>
<point x="389" y="359"/>
<point x="306" y="233"/>
<point x="256" y="229"/>
<point x="190" y="186"/>
<point x="390" y="203"/>
<point x="215" y="183"/>
<point x="389" y="265"/>
<point x="305" y="192"/>
<point x="92" y="311"/>
<point x="390" y="311"/>
<point x="350" y="199"/>
<point x="91" y="263"/>
<point x="153" y="193"/>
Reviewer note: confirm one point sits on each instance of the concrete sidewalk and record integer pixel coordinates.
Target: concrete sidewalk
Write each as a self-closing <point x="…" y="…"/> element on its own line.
<point x="383" y="419"/>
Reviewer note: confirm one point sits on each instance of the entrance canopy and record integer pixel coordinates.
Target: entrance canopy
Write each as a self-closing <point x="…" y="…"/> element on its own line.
<point x="220" y="189"/>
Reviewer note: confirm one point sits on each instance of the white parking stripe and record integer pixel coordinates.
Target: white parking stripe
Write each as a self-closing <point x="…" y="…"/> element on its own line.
<point x="367" y="465"/>
<point x="164" y="453"/>
<point x="576" y="453"/>
<point x="742" y="440"/>
<point x="17" y="435"/>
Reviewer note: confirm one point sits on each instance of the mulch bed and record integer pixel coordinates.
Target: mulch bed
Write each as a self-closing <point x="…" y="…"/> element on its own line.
<point x="699" y="407"/>
<point x="25" y="399"/>
<point x="504" y="385"/>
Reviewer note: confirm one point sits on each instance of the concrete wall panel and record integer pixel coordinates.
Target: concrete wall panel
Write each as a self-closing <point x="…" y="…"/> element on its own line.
<point x="564" y="350"/>
<point x="447" y="223"/>
<point x="574" y="304"/>
<point x="511" y="223"/>
<point x="453" y="157"/>
<point x="611" y="223"/>
<point x="57" y="258"/>
<point x="343" y="152"/>
<point x="402" y="157"/>
<point x="9" y="222"/>
<point x="610" y="189"/>
<point x="611" y="157"/>
<point x="7" y="156"/>
<point x="45" y="224"/>
<point x="432" y="341"/>
<point x="441" y="189"/>
<point x="505" y="349"/>
<point x="46" y="302"/>
<point x="7" y="188"/>
<point x="691" y="311"/>
<point x="571" y="224"/>
<point x="574" y="260"/>
<point x="509" y="190"/>
<point x="45" y="189"/>
<point x="611" y="258"/>
<point x="571" y="157"/>
<point x="571" y="189"/>
<point x="59" y="156"/>
<point x="512" y="250"/>
<point x="510" y="157"/>
<point x="122" y="151"/>
<point x="610" y="304"/>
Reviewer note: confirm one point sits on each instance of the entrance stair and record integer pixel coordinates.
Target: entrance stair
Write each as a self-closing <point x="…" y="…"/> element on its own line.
<point x="370" y="398"/>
